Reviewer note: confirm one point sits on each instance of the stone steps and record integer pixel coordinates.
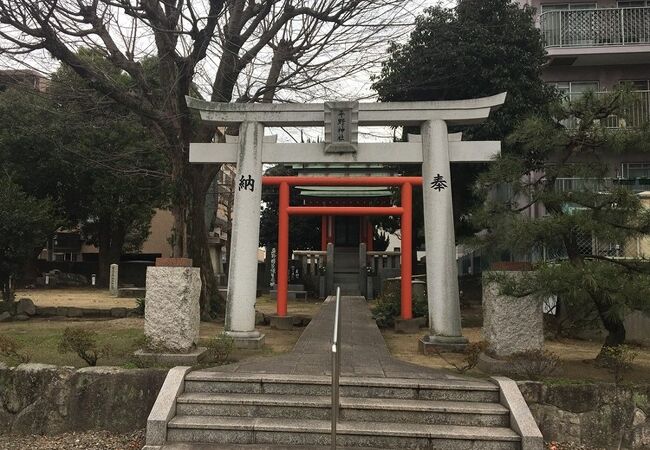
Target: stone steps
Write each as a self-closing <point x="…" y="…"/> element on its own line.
<point x="267" y="410"/>
<point x="238" y="430"/>
<point x="352" y="409"/>
<point x="204" y="446"/>
<point x="365" y="387"/>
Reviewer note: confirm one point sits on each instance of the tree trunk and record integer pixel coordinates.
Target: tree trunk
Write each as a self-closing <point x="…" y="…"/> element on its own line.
<point x="5" y="284"/>
<point x="614" y="325"/>
<point x="198" y="246"/>
<point x="111" y="241"/>
<point x="103" y="242"/>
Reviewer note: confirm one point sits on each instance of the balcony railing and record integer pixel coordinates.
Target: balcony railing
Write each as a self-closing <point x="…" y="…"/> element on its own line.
<point x="601" y="184"/>
<point x="634" y="114"/>
<point x="596" y="27"/>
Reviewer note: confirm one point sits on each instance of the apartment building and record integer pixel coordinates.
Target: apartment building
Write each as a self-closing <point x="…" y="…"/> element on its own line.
<point x="597" y="46"/>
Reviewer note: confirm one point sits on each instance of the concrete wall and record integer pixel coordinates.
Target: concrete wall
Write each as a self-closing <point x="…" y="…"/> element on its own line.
<point x="44" y="399"/>
<point x="161" y="230"/>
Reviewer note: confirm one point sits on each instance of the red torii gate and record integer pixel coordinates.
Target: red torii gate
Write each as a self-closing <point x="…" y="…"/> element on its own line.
<point x="405" y="211"/>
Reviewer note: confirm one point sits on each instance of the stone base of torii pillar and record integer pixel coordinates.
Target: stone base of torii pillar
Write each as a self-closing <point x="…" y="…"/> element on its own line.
<point x="431" y="345"/>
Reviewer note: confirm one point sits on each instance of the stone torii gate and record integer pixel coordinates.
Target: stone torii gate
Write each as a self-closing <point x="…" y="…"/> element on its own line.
<point x="435" y="150"/>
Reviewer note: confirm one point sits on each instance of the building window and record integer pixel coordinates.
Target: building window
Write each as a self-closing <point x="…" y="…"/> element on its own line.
<point x="635" y="170"/>
<point x="633" y="4"/>
<point x="568" y="7"/>
<point x="637" y="85"/>
<point x="571" y="89"/>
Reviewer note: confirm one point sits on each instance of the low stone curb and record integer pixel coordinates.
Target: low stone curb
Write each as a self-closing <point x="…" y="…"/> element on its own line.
<point x="74" y="312"/>
<point x="521" y="419"/>
<point x="165" y="407"/>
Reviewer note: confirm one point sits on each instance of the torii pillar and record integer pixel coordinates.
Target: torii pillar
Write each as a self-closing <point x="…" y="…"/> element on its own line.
<point x="442" y="270"/>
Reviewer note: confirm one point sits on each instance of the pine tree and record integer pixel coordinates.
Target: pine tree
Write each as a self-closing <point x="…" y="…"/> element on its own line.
<point x="581" y="140"/>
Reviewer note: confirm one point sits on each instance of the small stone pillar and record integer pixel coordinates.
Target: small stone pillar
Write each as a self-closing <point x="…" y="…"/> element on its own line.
<point x="172" y="313"/>
<point x="510" y="324"/>
<point x="329" y="271"/>
<point x="113" y="278"/>
<point x="363" y="270"/>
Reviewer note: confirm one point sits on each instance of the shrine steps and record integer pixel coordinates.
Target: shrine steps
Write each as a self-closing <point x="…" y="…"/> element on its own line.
<point x="271" y="411"/>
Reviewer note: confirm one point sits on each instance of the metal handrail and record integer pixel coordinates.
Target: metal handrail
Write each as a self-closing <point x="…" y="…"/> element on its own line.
<point x="336" y="364"/>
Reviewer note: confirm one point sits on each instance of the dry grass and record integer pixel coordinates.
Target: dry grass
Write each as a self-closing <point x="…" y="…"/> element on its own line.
<point x="40" y="338"/>
<point x="577" y="357"/>
<point x="80" y="298"/>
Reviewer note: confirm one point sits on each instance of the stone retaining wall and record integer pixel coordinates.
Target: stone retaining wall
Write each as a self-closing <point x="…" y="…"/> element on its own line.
<point x="595" y="415"/>
<point x="45" y="399"/>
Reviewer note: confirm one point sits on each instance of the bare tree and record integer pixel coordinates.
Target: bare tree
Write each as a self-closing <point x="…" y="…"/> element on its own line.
<point x="226" y="50"/>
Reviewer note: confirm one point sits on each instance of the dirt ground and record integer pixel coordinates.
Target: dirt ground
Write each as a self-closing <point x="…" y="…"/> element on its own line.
<point x="307" y="307"/>
<point x="86" y="440"/>
<point x="126" y="335"/>
<point x="576" y="356"/>
<point x="79" y="298"/>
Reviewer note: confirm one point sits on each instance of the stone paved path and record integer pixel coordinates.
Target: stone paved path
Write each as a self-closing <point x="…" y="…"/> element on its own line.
<point x="364" y="350"/>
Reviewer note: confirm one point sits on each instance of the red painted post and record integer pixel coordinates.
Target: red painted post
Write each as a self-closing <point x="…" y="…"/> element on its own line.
<point x="407" y="239"/>
<point x="283" y="250"/>
<point x="323" y="233"/>
<point x="370" y="236"/>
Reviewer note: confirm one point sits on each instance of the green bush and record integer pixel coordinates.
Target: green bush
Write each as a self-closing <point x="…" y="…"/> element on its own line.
<point x="11" y="351"/>
<point x="220" y="348"/>
<point x="388" y="308"/>
<point x="83" y="342"/>
<point x="140" y="305"/>
<point x="618" y="360"/>
<point x="470" y="357"/>
<point x="535" y="364"/>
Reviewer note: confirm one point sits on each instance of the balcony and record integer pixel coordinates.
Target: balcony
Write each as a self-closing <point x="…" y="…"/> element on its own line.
<point x="634" y="115"/>
<point x="601" y="184"/>
<point x="583" y="34"/>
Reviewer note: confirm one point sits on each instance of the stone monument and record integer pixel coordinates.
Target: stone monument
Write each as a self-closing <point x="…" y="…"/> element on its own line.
<point x="511" y="325"/>
<point x="172" y="313"/>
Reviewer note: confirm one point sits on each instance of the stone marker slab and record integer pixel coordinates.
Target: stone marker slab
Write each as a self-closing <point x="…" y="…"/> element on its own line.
<point x="113" y="280"/>
<point x="510" y="324"/>
<point x="172" y="316"/>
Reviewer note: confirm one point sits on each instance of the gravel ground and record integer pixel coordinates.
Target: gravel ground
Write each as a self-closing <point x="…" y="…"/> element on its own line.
<point x="91" y="440"/>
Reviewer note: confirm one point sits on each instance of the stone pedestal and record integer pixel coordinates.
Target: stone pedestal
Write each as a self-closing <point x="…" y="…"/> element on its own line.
<point x="172" y="315"/>
<point x="510" y="325"/>
<point x="431" y="345"/>
<point x="281" y="322"/>
<point x="407" y="326"/>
